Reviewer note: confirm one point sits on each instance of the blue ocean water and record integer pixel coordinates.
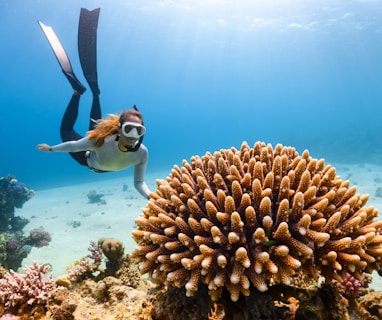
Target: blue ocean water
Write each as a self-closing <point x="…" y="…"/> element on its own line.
<point x="207" y="75"/>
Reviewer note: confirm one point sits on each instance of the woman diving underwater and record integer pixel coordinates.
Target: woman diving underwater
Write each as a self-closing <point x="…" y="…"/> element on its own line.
<point x="111" y="144"/>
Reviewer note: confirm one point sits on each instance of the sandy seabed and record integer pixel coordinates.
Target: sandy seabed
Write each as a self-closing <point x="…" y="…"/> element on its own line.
<point x="73" y="221"/>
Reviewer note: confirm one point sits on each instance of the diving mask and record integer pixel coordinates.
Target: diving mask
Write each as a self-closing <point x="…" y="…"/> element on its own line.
<point x="133" y="129"/>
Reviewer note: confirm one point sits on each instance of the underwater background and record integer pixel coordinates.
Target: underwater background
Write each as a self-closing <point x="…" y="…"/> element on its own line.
<point x="207" y="75"/>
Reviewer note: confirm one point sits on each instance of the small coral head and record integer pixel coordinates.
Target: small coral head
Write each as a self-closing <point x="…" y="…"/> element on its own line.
<point x="351" y="286"/>
<point x="12" y="244"/>
<point x="237" y="219"/>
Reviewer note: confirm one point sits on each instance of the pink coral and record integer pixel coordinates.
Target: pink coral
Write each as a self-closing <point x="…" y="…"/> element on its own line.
<point x="9" y="316"/>
<point x="351" y="286"/>
<point x="32" y="287"/>
<point x="95" y="252"/>
<point x="84" y="268"/>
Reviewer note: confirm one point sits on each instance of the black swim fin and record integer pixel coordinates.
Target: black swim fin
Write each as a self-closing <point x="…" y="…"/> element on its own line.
<point x="62" y="57"/>
<point x="87" y="46"/>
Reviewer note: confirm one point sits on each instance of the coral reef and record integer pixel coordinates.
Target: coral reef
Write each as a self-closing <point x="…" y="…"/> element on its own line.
<point x="13" y="194"/>
<point x="26" y="291"/>
<point x="106" y="299"/>
<point x="314" y="301"/>
<point x="256" y="233"/>
<point x="97" y="293"/>
<point x="127" y="295"/>
<point x="61" y="304"/>
<point x="255" y="217"/>
<point x="89" y="267"/>
<point x="14" y="245"/>
<point x="86" y="266"/>
<point x="94" y="294"/>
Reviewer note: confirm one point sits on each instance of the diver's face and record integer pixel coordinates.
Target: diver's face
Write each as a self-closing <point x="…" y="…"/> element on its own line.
<point x="131" y="130"/>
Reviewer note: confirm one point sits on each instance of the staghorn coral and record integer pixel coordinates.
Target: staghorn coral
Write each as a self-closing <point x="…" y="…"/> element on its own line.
<point x="29" y="289"/>
<point x="255" y="217"/>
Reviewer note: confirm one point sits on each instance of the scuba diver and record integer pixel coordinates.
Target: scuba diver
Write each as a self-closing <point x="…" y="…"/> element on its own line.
<point x="111" y="144"/>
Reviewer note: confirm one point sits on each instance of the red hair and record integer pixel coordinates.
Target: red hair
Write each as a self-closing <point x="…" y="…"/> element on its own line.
<point x="110" y="125"/>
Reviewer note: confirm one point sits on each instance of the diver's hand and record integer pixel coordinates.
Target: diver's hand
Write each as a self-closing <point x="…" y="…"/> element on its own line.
<point x="44" y="147"/>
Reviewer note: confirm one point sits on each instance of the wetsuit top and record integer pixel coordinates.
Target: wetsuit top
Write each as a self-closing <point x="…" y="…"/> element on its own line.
<point x="109" y="157"/>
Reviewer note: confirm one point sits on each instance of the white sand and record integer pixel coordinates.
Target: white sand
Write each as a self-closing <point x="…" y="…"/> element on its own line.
<point x="57" y="209"/>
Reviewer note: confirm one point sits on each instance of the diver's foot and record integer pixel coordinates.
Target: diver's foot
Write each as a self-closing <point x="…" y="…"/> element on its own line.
<point x="79" y="89"/>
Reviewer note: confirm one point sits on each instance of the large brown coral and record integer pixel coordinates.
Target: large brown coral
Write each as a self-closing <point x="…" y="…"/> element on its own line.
<point x="255" y="217"/>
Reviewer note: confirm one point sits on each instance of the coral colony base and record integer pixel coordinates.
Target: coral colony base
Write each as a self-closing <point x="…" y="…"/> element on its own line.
<point x="255" y="233"/>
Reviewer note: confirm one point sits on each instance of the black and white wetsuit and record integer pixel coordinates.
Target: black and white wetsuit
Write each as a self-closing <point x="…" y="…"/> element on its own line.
<point x="109" y="157"/>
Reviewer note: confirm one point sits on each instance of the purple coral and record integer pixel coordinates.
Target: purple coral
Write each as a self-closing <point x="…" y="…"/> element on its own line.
<point x="32" y="288"/>
<point x="85" y="267"/>
<point x="12" y="245"/>
<point x="95" y="252"/>
<point x="18" y="187"/>
<point x="39" y="238"/>
<point x="351" y="286"/>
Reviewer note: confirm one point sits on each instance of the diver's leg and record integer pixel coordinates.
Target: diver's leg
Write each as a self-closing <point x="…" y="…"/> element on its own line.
<point x="95" y="113"/>
<point x="67" y="131"/>
<point x="87" y="46"/>
<point x="62" y="57"/>
<point x="87" y="50"/>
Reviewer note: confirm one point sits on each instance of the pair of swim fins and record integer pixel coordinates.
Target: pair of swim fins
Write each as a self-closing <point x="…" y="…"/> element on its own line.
<point x="87" y="50"/>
